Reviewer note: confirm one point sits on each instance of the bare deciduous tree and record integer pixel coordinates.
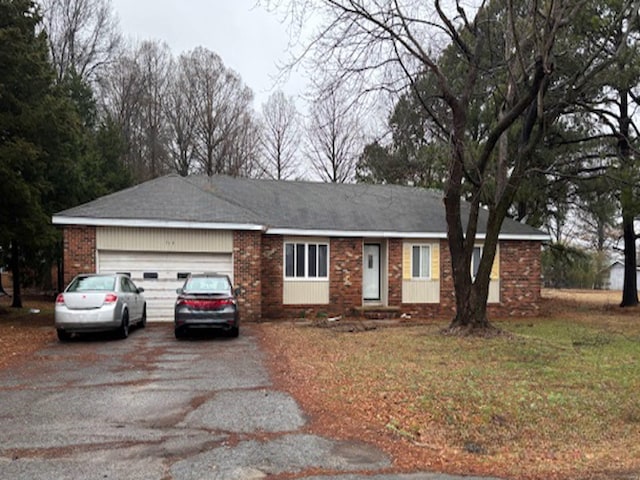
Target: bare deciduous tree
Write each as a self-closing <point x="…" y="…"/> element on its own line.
<point x="181" y="117"/>
<point x="83" y="35"/>
<point x="333" y="136"/>
<point x="280" y="136"/>
<point x="222" y="103"/>
<point x="155" y="63"/>
<point x="121" y="93"/>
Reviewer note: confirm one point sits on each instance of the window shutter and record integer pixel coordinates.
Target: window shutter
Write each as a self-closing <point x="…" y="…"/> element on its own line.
<point x="406" y="261"/>
<point x="435" y="261"/>
<point x="495" y="268"/>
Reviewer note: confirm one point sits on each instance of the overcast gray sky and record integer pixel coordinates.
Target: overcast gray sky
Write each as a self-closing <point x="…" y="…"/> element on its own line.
<point x="249" y="39"/>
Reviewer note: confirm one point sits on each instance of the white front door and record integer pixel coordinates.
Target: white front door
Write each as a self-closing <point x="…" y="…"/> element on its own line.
<point x="371" y="269"/>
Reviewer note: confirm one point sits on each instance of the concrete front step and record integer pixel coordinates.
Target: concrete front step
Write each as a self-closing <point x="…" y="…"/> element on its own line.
<point x="371" y="312"/>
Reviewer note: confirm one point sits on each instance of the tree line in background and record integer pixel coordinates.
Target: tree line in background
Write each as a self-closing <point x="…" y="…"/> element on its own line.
<point x="523" y="108"/>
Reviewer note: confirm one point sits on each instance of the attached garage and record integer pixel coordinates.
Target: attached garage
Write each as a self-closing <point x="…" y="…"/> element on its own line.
<point x="159" y="260"/>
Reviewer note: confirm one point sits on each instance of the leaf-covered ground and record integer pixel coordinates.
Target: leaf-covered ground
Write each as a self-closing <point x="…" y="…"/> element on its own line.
<point x="23" y="331"/>
<point x="554" y="398"/>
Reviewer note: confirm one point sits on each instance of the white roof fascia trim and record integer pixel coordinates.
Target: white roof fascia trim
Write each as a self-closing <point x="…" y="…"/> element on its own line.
<point x="349" y="233"/>
<point x="113" y="222"/>
<point x="514" y="236"/>
<point x="346" y="233"/>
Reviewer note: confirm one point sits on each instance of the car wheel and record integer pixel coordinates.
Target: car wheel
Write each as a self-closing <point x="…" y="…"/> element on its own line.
<point x="123" y="331"/>
<point x="234" y="332"/>
<point x="180" y="332"/>
<point x="63" y="335"/>
<point x="143" y="320"/>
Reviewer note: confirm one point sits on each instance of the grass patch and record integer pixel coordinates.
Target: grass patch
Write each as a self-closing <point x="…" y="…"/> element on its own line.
<point x="558" y="398"/>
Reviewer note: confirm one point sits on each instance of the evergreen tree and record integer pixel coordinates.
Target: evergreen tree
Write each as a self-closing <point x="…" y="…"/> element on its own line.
<point x="40" y="141"/>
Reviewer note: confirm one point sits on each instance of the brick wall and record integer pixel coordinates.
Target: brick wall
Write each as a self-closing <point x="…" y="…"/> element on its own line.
<point x="247" y="269"/>
<point x="521" y="279"/>
<point x="519" y="271"/>
<point x="520" y="283"/>
<point x="395" y="271"/>
<point x="79" y="251"/>
<point x="345" y="277"/>
<point x="345" y="280"/>
<point x="272" y="276"/>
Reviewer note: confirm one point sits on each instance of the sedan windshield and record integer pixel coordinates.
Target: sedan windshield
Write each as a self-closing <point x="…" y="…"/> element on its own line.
<point x="92" y="284"/>
<point x="207" y="285"/>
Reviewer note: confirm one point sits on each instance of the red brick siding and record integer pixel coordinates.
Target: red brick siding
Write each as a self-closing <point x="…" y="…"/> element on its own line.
<point x="272" y="276"/>
<point x="520" y="279"/>
<point x="79" y="251"/>
<point x="247" y="269"/>
<point x="395" y="272"/>
<point x="345" y="275"/>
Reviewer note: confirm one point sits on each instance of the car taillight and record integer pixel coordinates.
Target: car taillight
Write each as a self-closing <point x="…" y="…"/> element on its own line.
<point x="204" y="304"/>
<point x="110" y="298"/>
<point x="60" y="298"/>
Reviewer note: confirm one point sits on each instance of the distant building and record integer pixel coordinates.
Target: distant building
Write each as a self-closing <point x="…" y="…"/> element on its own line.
<point x="615" y="279"/>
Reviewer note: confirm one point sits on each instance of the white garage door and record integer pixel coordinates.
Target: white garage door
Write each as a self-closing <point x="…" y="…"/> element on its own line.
<point x="161" y="273"/>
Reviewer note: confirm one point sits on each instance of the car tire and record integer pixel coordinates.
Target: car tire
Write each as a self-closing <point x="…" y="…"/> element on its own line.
<point x="234" y="332"/>
<point x="180" y="333"/>
<point x="143" y="320"/>
<point x="123" y="330"/>
<point x="63" y="335"/>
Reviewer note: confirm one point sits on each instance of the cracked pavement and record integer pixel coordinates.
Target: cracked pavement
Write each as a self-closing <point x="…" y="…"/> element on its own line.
<point x="151" y="407"/>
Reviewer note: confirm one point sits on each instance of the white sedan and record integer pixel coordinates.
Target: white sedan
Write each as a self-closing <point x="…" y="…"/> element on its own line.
<point x="99" y="303"/>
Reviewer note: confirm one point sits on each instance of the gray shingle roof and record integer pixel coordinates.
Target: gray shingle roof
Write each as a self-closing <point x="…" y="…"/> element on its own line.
<point x="280" y="205"/>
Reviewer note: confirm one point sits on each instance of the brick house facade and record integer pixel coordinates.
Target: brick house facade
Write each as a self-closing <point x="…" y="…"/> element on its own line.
<point x="258" y="272"/>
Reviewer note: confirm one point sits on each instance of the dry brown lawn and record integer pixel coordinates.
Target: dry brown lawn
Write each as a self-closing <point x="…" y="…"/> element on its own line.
<point x="603" y="298"/>
<point x="554" y="398"/>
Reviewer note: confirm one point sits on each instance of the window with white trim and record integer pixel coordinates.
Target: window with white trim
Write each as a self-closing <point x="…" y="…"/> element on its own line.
<point x="306" y="260"/>
<point x="421" y="261"/>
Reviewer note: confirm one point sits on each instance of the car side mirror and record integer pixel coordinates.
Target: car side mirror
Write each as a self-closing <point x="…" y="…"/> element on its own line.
<point x="179" y="291"/>
<point x="237" y="291"/>
<point x="140" y="289"/>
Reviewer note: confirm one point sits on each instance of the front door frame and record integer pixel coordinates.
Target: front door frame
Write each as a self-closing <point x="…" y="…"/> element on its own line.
<point x="379" y="276"/>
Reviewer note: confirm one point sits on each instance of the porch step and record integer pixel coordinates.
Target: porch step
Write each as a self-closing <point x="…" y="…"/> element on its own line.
<point x="375" y="312"/>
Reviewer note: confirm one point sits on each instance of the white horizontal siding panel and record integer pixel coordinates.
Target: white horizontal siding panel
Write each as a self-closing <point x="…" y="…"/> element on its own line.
<point x="494" y="292"/>
<point x="163" y="240"/>
<point x="306" y="292"/>
<point x="420" y="291"/>
<point x="160" y="292"/>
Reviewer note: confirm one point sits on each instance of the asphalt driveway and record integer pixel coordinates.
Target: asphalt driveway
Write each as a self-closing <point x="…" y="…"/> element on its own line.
<point x="151" y="407"/>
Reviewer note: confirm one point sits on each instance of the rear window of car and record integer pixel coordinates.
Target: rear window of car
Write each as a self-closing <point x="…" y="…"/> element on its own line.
<point x="207" y="285"/>
<point x="92" y="284"/>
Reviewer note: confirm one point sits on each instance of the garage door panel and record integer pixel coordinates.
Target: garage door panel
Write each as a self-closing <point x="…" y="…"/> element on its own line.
<point x="161" y="273"/>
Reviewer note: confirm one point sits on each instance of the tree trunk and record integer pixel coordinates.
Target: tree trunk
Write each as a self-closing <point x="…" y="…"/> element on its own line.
<point x="2" y="290"/>
<point x="471" y="297"/>
<point x="628" y="204"/>
<point x="15" y="270"/>
<point x="630" y="286"/>
<point x="471" y="311"/>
